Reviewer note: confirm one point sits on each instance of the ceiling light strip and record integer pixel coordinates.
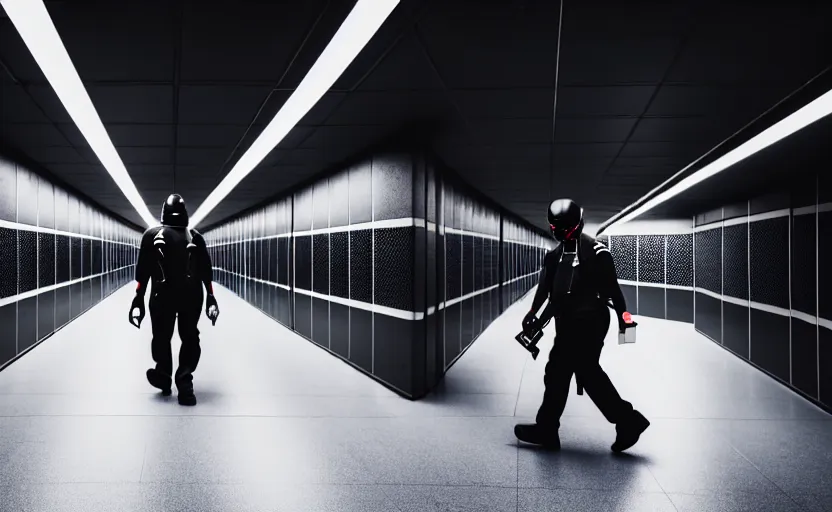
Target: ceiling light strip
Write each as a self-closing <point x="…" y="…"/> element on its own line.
<point x="358" y="28"/>
<point x="813" y="111"/>
<point x="32" y="21"/>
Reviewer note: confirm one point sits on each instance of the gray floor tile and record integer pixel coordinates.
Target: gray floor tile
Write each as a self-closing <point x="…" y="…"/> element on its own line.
<point x="734" y="502"/>
<point x="572" y="500"/>
<point x="430" y="498"/>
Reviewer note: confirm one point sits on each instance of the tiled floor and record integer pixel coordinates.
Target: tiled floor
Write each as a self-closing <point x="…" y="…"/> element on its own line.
<point x="283" y="426"/>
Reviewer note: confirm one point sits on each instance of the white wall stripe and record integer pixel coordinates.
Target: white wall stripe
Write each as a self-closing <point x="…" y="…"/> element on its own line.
<point x="823" y="322"/>
<point x="467" y="296"/>
<point x="737" y="221"/>
<point x="277" y="285"/>
<point x="521" y="277"/>
<point x="472" y="233"/>
<point x="654" y="285"/>
<point x="742" y="220"/>
<point x="38" y="291"/>
<point x="812" y="319"/>
<point x="39" y="229"/>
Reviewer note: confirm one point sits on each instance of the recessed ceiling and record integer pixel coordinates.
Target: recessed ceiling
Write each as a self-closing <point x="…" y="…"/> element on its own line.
<point x="639" y="90"/>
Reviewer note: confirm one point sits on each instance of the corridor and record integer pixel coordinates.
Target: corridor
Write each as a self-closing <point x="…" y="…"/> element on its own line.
<point x="282" y="425"/>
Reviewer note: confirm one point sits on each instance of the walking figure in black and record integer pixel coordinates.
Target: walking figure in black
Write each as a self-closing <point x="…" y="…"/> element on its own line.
<point x="578" y="278"/>
<point x="177" y="262"/>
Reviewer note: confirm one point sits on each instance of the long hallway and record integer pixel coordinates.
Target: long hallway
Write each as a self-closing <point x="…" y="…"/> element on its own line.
<point x="281" y="425"/>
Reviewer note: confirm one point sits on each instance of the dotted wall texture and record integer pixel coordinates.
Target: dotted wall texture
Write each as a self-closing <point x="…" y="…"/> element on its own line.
<point x="320" y="267"/>
<point x="651" y="258"/>
<point x="769" y="257"/>
<point x="735" y="261"/>
<point x="393" y="268"/>
<point x="339" y="274"/>
<point x="623" y="250"/>
<point x="8" y="263"/>
<point x="361" y="265"/>
<point x="804" y="270"/>
<point x="708" y="246"/>
<point x="680" y="260"/>
<point x="27" y="261"/>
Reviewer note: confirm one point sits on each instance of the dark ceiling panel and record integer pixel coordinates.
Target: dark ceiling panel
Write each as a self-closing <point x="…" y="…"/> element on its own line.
<point x="18" y="107"/>
<point x="133" y="104"/>
<point x="603" y="101"/>
<point x="220" y="104"/>
<point x="593" y="130"/>
<point x="392" y="73"/>
<point x="254" y="42"/>
<point x="118" y="41"/>
<point x="519" y="103"/>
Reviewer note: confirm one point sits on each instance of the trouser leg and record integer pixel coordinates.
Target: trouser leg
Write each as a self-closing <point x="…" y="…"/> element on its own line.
<point x="599" y="387"/>
<point x="162" y="318"/>
<point x="190" y="351"/>
<point x="558" y="377"/>
<point x="594" y="379"/>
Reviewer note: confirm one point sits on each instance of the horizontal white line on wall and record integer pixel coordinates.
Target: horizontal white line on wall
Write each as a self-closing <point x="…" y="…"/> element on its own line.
<point x="520" y="277"/>
<point x="823" y="322"/>
<point x="375" y="308"/>
<point x="38" y="291"/>
<point x="40" y="229"/>
<point x="263" y="281"/>
<point x="404" y="222"/>
<point x="467" y="296"/>
<point x="270" y="237"/>
<point x="757" y="217"/>
<point x="812" y="319"/>
<point x="811" y="210"/>
<point x="736" y="221"/>
<point x="650" y="227"/>
<point x="456" y="231"/>
<point x="398" y="313"/>
<point x="655" y="285"/>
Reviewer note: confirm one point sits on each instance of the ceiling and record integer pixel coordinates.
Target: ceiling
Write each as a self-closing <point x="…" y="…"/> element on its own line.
<point x="638" y="91"/>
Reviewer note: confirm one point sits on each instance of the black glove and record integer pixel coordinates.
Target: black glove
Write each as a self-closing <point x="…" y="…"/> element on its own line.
<point x="138" y="303"/>
<point x="212" y="310"/>
<point x="529" y="321"/>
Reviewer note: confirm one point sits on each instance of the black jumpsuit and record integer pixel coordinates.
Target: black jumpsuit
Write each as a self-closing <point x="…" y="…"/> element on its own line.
<point x="174" y="294"/>
<point x="581" y="322"/>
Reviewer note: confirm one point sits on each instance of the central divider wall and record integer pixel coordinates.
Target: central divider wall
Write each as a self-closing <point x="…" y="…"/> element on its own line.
<point x="389" y="264"/>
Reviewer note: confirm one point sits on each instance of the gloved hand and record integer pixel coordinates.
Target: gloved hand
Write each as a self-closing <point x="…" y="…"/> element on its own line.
<point x="138" y="303"/>
<point x="212" y="310"/>
<point x="626" y="322"/>
<point x="529" y="321"/>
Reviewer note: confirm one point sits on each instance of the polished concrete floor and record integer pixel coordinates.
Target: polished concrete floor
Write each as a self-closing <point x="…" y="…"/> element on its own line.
<point x="281" y="425"/>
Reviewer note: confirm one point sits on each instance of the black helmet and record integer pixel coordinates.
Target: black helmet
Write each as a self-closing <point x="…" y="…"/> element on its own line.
<point x="174" y="212"/>
<point x="566" y="219"/>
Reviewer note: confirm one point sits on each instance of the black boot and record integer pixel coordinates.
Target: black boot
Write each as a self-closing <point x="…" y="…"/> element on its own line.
<point x="185" y="386"/>
<point x="159" y="380"/>
<point x="536" y="434"/>
<point x="629" y="431"/>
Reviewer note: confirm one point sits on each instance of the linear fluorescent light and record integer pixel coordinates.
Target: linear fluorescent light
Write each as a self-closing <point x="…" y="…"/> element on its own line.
<point x="817" y="109"/>
<point x="358" y="28"/>
<point x="32" y="21"/>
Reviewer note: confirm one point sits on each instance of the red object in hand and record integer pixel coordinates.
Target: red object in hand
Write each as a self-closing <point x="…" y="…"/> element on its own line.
<point x="138" y="286"/>
<point x="628" y="318"/>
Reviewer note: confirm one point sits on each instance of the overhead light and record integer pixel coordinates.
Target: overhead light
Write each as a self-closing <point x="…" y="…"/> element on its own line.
<point x="817" y="109"/>
<point x="32" y="21"/>
<point x="358" y="28"/>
